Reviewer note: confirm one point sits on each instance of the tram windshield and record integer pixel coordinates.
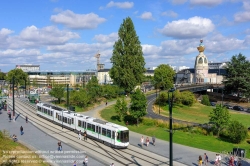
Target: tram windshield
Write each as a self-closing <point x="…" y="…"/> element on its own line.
<point x="125" y="136"/>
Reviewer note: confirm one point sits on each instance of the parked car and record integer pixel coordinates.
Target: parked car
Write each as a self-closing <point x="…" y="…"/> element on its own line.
<point x="238" y="108"/>
<point x="228" y="106"/>
<point x="213" y="103"/>
<point x="248" y="110"/>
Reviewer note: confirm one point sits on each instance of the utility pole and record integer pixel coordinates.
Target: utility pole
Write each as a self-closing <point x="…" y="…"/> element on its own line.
<point x="13" y="96"/>
<point x="170" y="104"/>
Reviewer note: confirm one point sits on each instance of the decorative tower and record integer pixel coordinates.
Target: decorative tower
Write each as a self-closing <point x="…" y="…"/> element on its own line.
<point x="201" y="65"/>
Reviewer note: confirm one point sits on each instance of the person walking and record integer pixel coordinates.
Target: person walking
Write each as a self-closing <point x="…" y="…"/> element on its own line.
<point x="85" y="135"/>
<point x="153" y="140"/>
<point x="147" y="141"/>
<point x="219" y="159"/>
<point x="21" y="130"/>
<point x="205" y="159"/>
<point x="106" y="103"/>
<point x="74" y="164"/>
<point x="80" y="135"/>
<point x="59" y="146"/>
<point x="112" y="164"/>
<point x="142" y="141"/>
<point x="26" y="119"/>
<point x="85" y="162"/>
<point x="200" y="161"/>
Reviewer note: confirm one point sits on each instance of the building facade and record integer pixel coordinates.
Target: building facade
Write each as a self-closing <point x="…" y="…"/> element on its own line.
<point x="28" y="68"/>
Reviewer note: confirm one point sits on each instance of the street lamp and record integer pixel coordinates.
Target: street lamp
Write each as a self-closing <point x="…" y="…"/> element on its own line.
<point x="170" y="104"/>
<point x="222" y="95"/>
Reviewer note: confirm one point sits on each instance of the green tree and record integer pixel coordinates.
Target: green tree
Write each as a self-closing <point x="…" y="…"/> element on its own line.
<point x="237" y="132"/>
<point x="94" y="89"/>
<point x="128" y="61"/>
<point x="2" y="76"/>
<point x="138" y="105"/>
<point x="219" y="117"/>
<point x="79" y="98"/>
<point x="58" y="92"/>
<point x="121" y="108"/>
<point x="19" y="75"/>
<point x="110" y="91"/>
<point x="187" y="98"/>
<point x="238" y="75"/>
<point x="34" y="82"/>
<point x="205" y="100"/>
<point x="163" y="76"/>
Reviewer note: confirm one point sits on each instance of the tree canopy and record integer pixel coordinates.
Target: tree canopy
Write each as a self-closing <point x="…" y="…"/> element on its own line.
<point x="2" y="76"/>
<point x="238" y="75"/>
<point x="57" y="91"/>
<point x="19" y="75"/>
<point x="128" y="61"/>
<point x="163" y="76"/>
<point x="219" y="117"/>
<point x="138" y="105"/>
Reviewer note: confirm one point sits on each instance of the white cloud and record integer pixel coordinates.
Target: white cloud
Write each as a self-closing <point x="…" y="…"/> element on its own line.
<point x="5" y="32"/>
<point x="146" y="16"/>
<point x="35" y="37"/>
<point x="123" y="5"/>
<point x="194" y="27"/>
<point x="246" y="5"/>
<point x="242" y="16"/>
<point x="178" y="2"/>
<point x="106" y="38"/>
<point x="169" y="13"/>
<point x="209" y="3"/>
<point x="77" y="21"/>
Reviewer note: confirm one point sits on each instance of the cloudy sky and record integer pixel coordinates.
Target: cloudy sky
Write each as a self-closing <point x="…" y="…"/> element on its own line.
<point x="66" y="34"/>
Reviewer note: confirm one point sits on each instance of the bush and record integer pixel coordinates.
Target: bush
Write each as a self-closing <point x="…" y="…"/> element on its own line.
<point x="187" y="98"/>
<point x="205" y="100"/>
<point x="237" y="132"/>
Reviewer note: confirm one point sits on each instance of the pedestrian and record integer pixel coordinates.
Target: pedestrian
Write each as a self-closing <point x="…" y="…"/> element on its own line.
<point x="205" y="159"/>
<point x="216" y="160"/>
<point x="21" y="130"/>
<point x="26" y="119"/>
<point x="126" y="123"/>
<point x="80" y="135"/>
<point x="200" y="161"/>
<point x="74" y="164"/>
<point x="147" y="141"/>
<point x="153" y="140"/>
<point x="85" y="135"/>
<point x="85" y="162"/>
<point x="59" y="146"/>
<point x="231" y="161"/>
<point x="9" y="116"/>
<point x="219" y="159"/>
<point x="106" y="103"/>
<point x="142" y="141"/>
<point x="112" y="164"/>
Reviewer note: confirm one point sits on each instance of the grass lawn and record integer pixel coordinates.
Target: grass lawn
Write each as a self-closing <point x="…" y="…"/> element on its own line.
<point x="199" y="113"/>
<point x="210" y="143"/>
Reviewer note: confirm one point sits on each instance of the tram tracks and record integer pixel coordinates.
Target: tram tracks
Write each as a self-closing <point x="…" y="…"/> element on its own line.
<point x="130" y="156"/>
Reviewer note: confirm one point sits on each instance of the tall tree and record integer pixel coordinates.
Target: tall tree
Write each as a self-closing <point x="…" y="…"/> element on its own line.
<point x="238" y="75"/>
<point x="163" y="76"/>
<point x="19" y="75"/>
<point x="128" y="61"/>
<point x="219" y="117"/>
<point x="93" y="88"/>
<point x="121" y="108"/>
<point x="138" y="105"/>
<point x="2" y="76"/>
<point x="57" y="91"/>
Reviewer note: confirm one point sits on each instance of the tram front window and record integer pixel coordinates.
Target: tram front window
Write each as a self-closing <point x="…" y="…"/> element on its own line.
<point x="125" y="136"/>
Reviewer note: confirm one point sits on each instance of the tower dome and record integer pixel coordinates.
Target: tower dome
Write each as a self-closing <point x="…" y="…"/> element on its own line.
<point x="201" y="64"/>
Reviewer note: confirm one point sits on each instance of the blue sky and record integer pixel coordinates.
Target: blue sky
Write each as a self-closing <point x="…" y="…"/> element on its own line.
<point x="66" y="34"/>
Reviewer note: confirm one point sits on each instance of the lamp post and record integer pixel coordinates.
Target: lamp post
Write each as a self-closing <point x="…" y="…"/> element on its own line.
<point x="222" y="95"/>
<point x="170" y="104"/>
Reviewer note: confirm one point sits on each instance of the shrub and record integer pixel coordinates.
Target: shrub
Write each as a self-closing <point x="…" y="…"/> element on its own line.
<point x="237" y="132"/>
<point x="187" y="98"/>
<point x="205" y="100"/>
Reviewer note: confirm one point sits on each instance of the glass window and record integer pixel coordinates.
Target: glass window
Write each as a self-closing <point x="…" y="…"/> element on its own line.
<point x="99" y="130"/>
<point x="93" y="127"/>
<point x="89" y="126"/>
<point x="79" y="123"/>
<point x="72" y="120"/>
<point x="113" y="135"/>
<point x="39" y="108"/>
<point x="56" y="115"/>
<point x="109" y="133"/>
<point x="84" y="125"/>
<point x="104" y="131"/>
<point x="125" y="136"/>
<point x="200" y="60"/>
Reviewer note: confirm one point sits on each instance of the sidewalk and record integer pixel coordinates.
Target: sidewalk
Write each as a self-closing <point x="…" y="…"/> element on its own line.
<point x="183" y="154"/>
